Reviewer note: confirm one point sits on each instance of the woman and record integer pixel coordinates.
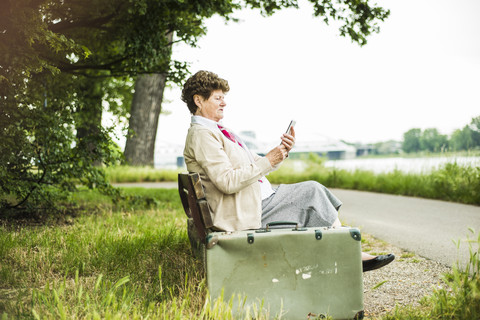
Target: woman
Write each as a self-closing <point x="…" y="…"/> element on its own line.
<point x="239" y="195"/>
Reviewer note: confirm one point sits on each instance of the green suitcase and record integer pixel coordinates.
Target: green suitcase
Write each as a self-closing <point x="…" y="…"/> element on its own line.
<point x="299" y="273"/>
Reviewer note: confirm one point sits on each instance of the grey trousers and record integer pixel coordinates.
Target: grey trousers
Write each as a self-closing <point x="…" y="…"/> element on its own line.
<point x="309" y="203"/>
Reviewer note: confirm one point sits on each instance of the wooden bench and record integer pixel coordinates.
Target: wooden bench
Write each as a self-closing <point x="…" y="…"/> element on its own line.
<point x="199" y="217"/>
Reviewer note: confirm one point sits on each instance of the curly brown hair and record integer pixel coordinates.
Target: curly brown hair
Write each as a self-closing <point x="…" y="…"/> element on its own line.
<point x="202" y="83"/>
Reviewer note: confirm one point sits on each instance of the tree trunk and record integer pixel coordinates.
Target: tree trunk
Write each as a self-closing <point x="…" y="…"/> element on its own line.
<point x="144" y="114"/>
<point x="145" y="111"/>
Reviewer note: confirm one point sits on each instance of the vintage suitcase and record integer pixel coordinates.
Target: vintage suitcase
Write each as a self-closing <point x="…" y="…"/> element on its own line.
<point x="298" y="273"/>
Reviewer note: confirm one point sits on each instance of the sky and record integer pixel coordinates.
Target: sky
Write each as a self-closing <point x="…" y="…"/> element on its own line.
<point x="421" y="71"/>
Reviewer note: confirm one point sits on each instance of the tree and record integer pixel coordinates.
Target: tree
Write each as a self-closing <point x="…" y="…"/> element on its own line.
<point x="145" y="111"/>
<point x="59" y="63"/>
<point x="461" y="139"/>
<point x="62" y="61"/>
<point x="468" y="137"/>
<point x="475" y="127"/>
<point x="431" y="140"/>
<point x="411" y="140"/>
<point x="359" y="19"/>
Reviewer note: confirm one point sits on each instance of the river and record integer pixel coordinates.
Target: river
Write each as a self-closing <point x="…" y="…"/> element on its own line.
<point x="408" y="165"/>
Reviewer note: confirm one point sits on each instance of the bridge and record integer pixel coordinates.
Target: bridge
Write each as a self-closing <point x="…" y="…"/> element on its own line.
<point x="169" y="154"/>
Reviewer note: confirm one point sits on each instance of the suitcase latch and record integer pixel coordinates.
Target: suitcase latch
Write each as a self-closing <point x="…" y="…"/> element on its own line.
<point x="355" y="233"/>
<point x="250" y="238"/>
<point x="318" y="234"/>
<point x="211" y="241"/>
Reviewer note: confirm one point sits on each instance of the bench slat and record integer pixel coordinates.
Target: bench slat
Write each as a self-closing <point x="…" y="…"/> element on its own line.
<point x="205" y="211"/>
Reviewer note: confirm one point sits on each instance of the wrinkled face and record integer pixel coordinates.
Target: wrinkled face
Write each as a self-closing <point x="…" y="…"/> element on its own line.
<point x="211" y="108"/>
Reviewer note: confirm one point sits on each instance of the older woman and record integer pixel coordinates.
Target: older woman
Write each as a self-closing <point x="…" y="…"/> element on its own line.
<point x="238" y="193"/>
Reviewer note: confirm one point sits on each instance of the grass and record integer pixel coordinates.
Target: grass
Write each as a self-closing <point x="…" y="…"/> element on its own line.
<point x="117" y="174"/>
<point x="378" y="285"/>
<point x="427" y="154"/>
<point x="120" y="263"/>
<point x="133" y="261"/>
<point x="451" y="182"/>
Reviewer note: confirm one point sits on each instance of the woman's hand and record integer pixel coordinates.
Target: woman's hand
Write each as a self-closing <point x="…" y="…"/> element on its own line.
<point x="288" y="140"/>
<point x="277" y="155"/>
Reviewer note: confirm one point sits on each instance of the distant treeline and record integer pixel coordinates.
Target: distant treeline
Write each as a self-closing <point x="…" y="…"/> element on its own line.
<point x="430" y="140"/>
<point x="468" y="138"/>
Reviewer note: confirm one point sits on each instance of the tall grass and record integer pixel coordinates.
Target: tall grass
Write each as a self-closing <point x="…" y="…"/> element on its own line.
<point x="451" y="182"/>
<point x="117" y="174"/>
<point x="119" y="263"/>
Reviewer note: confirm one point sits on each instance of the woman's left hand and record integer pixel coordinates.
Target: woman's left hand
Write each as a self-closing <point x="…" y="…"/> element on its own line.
<point x="288" y="140"/>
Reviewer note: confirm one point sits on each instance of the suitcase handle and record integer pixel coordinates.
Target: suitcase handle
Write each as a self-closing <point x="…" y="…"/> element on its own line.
<point x="281" y="223"/>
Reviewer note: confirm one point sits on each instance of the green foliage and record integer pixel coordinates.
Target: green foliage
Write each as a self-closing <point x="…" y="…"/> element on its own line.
<point x="58" y="63"/>
<point x="461" y="300"/>
<point x="411" y="140"/>
<point x="359" y="18"/>
<point x="61" y="62"/>
<point x="475" y="127"/>
<point x="430" y="140"/>
<point x="43" y="160"/>
<point x="456" y="183"/>
<point x="462" y="139"/>
<point x="468" y="137"/>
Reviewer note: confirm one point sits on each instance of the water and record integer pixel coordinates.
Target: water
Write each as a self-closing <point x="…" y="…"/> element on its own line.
<point x="377" y="165"/>
<point x="408" y="165"/>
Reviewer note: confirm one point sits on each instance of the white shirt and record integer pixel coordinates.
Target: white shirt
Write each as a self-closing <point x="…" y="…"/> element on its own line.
<point x="265" y="185"/>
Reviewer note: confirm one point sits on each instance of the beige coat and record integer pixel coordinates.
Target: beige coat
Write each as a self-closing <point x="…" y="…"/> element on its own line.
<point x="229" y="177"/>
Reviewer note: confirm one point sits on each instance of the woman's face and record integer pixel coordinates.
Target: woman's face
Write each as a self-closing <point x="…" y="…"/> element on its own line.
<point x="211" y="108"/>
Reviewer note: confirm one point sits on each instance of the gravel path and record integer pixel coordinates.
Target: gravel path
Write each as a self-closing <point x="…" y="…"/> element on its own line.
<point x="403" y="282"/>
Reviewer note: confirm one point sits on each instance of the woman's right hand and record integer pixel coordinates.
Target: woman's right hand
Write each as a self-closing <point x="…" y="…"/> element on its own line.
<point x="277" y="155"/>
